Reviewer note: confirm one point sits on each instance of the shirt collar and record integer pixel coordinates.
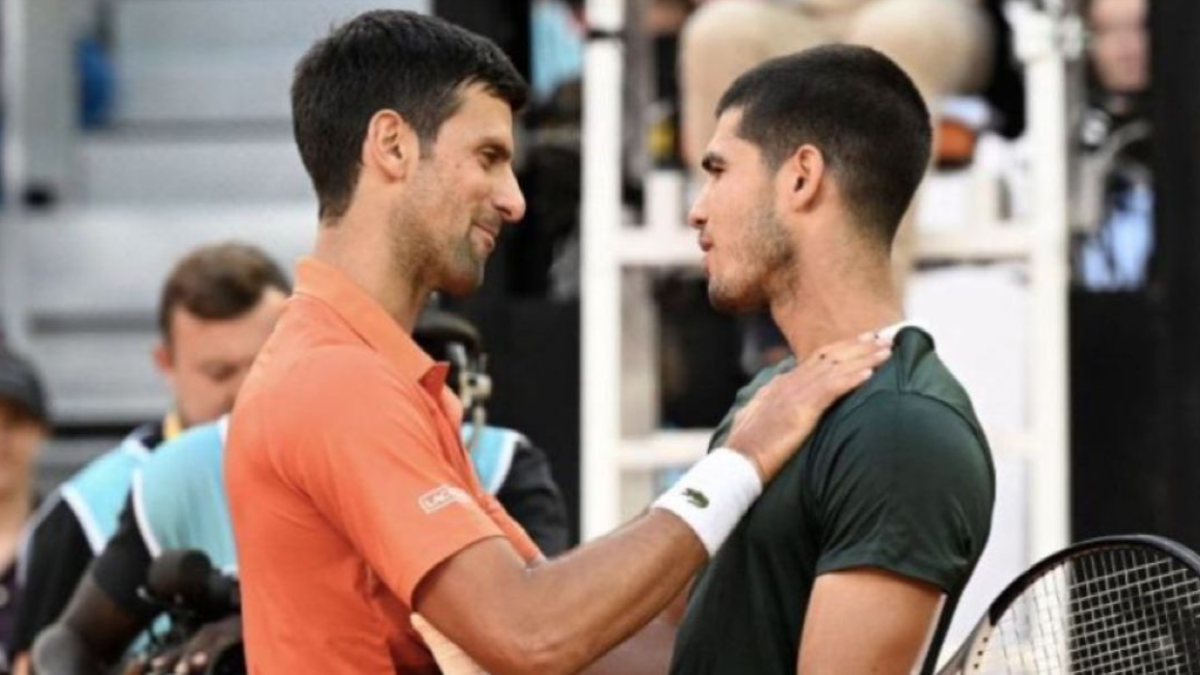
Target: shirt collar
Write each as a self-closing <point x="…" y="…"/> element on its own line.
<point x="367" y="318"/>
<point x="893" y="330"/>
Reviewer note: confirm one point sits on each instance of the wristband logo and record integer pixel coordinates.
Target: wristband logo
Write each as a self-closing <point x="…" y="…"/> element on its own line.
<point x="696" y="498"/>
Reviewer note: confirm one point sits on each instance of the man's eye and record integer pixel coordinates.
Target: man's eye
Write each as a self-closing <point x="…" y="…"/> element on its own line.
<point x="222" y="375"/>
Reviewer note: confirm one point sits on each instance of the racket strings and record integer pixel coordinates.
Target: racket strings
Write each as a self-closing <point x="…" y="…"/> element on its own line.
<point x="1111" y="611"/>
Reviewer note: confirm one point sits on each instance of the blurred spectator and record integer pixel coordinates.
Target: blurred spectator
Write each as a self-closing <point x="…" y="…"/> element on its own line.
<point x="1116" y="204"/>
<point x="23" y="429"/>
<point x="557" y="46"/>
<point x="944" y="45"/>
<point x="182" y="504"/>
<point x="216" y="310"/>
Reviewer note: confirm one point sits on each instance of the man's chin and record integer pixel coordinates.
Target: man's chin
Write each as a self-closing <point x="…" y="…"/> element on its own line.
<point x="728" y="302"/>
<point x="463" y="285"/>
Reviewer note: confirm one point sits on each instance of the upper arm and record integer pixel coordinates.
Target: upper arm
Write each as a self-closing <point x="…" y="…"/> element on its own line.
<point x="106" y="628"/>
<point x="904" y="509"/>
<point x="123" y="567"/>
<point x="868" y="621"/>
<point x="470" y="597"/>
<point x="57" y="556"/>
<point x="910" y="491"/>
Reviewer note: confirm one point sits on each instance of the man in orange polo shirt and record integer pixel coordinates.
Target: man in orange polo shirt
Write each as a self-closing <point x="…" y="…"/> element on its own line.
<point x="353" y="500"/>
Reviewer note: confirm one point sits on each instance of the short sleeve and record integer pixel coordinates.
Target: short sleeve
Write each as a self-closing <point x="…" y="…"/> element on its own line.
<point x="909" y="489"/>
<point x="371" y="456"/>
<point x="55" y="557"/>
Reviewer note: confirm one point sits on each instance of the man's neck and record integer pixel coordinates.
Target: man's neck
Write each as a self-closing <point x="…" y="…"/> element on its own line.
<point x="15" y="506"/>
<point x="363" y="253"/>
<point x="835" y="303"/>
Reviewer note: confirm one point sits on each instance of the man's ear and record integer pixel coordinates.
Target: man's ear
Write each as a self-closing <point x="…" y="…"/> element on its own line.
<point x="163" y="361"/>
<point x="801" y="176"/>
<point x="391" y="146"/>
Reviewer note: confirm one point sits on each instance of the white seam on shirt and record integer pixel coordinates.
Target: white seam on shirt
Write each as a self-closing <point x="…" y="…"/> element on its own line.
<point x="135" y="447"/>
<point x="143" y="522"/>
<point x="892" y="330"/>
<point x="27" y="532"/>
<point x="91" y="529"/>
<point x="504" y="462"/>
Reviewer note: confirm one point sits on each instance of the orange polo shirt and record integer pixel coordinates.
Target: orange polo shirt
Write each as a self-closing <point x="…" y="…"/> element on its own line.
<point x="348" y="483"/>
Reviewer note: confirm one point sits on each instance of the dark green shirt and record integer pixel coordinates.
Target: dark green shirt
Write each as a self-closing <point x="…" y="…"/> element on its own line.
<point x="896" y="476"/>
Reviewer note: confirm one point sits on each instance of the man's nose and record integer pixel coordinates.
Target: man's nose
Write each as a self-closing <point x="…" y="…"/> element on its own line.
<point x="509" y="200"/>
<point x="697" y="216"/>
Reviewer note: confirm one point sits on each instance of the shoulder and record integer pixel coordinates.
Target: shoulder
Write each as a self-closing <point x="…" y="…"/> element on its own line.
<point x="324" y="388"/>
<point x="193" y="448"/>
<point x="746" y="393"/>
<point x="111" y="468"/>
<point x="898" y="436"/>
<point x="763" y="377"/>
<point x="53" y="516"/>
<point x="337" y="375"/>
<point x="180" y="466"/>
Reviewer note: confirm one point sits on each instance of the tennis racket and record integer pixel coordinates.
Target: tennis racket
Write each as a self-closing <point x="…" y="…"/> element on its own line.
<point x="1128" y="604"/>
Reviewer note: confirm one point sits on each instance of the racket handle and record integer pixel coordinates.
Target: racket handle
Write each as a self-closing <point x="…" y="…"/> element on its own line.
<point x="450" y="657"/>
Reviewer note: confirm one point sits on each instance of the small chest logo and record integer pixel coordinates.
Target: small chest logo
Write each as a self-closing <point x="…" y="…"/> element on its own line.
<point x="696" y="498"/>
<point x="441" y="497"/>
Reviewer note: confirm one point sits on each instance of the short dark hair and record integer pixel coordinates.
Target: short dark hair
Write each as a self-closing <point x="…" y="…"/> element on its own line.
<point x="218" y="282"/>
<point x="21" y="387"/>
<point x="855" y="105"/>
<point x="386" y="60"/>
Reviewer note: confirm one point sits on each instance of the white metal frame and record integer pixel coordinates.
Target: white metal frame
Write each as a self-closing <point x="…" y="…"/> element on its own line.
<point x="13" y="89"/>
<point x="1048" y="39"/>
<point x="601" y="273"/>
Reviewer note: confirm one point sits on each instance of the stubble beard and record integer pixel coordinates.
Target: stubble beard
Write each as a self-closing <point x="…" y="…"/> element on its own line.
<point x="767" y="256"/>
<point x="425" y="252"/>
<point x="463" y="268"/>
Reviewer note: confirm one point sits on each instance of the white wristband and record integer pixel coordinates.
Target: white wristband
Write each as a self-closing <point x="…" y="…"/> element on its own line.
<point x="714" y="495"/>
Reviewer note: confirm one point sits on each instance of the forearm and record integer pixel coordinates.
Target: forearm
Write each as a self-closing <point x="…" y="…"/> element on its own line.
<point x="60" y="650"/>
<point x="648" y="652"/>
<point x="589" y="601"/>
<point x="563" y="614"/>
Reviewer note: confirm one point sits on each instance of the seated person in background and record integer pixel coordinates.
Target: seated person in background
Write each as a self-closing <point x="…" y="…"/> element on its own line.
<point x="24" y="425"/>
<point x="216" y="310"/>
<point x="945" y="46"/>
<point x="178" y="501"/>
<point x="1116" y="185"/>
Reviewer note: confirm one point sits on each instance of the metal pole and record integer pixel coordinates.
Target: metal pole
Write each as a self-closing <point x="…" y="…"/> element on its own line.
<point x="1046" y="41"/>
<point x="13" y="91"/>
<point x="601" y="310"/>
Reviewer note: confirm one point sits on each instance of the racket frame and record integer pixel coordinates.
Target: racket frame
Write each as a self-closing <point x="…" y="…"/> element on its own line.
<point x="973" y="647"/>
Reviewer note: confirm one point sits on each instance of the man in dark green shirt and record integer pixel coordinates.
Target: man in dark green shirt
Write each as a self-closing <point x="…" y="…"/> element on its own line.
<point x="897" y="478"/>
<point x="853" y="559"/>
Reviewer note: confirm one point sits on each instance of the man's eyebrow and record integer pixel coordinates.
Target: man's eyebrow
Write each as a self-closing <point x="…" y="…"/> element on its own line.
<point x="712" y="161"/>
<point x="497" y="146"/>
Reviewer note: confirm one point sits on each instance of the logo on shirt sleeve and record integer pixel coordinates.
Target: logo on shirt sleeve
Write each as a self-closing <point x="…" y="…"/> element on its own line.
<point x="442" y="496"/>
